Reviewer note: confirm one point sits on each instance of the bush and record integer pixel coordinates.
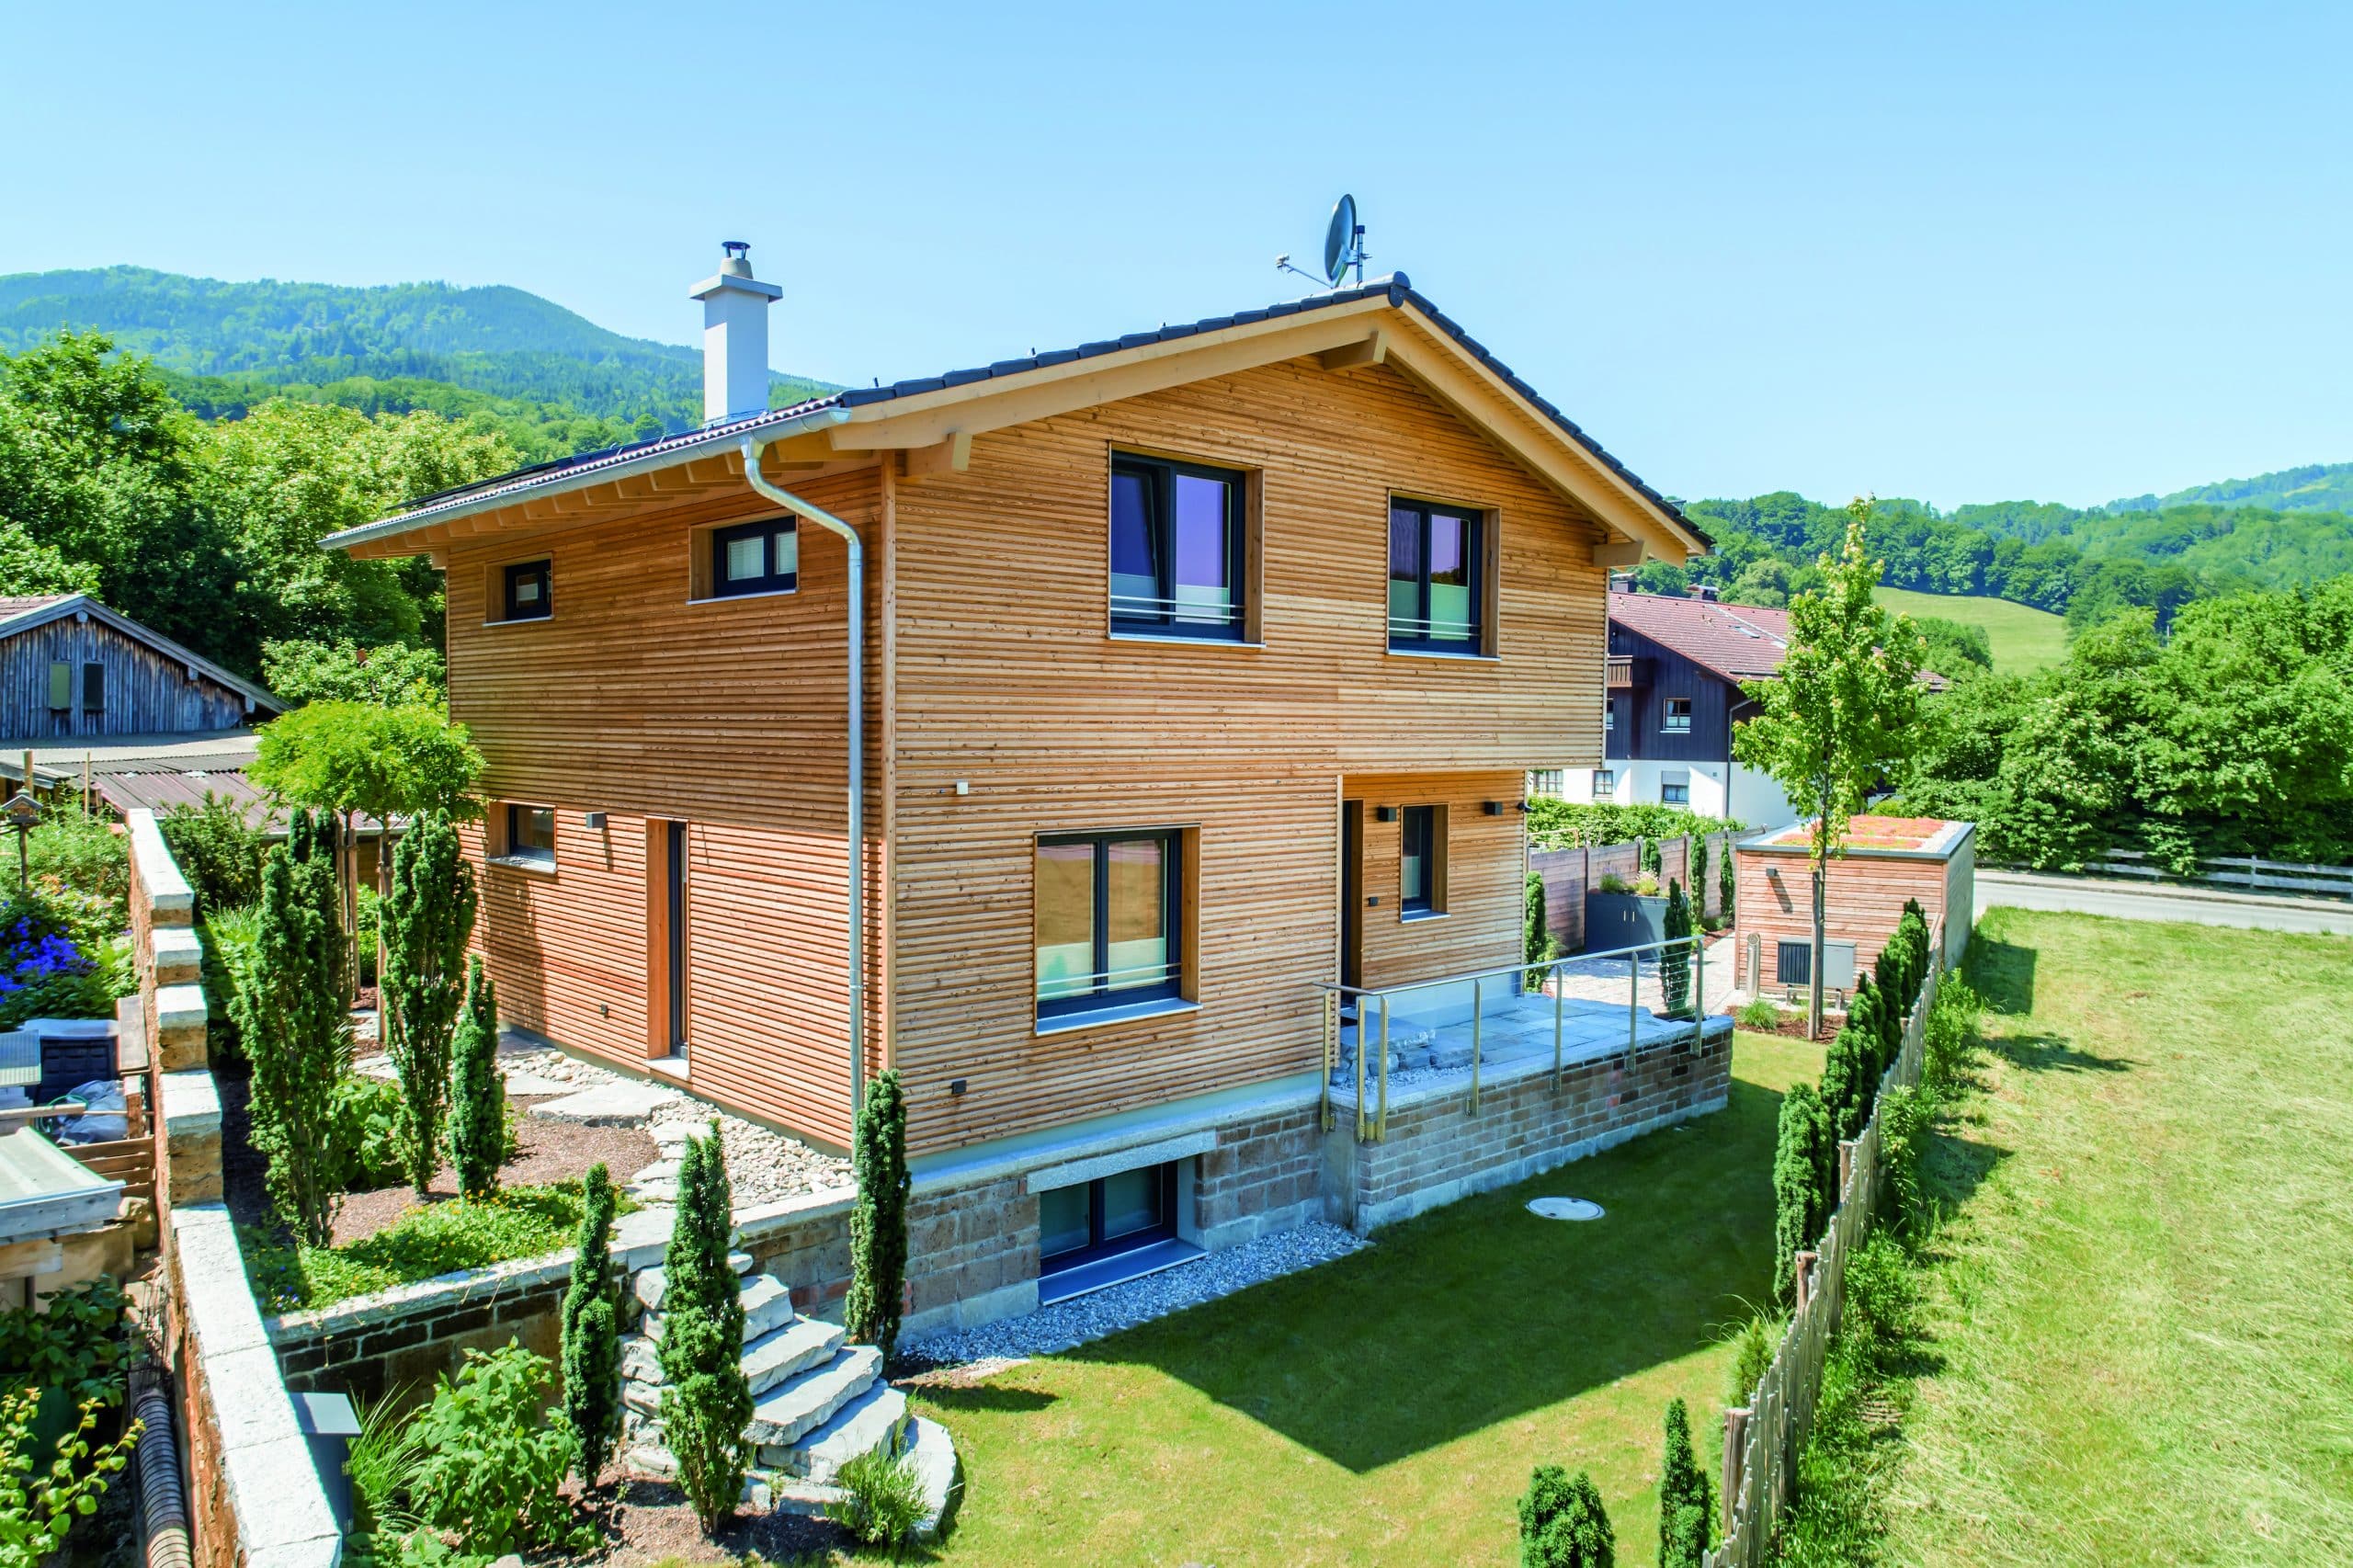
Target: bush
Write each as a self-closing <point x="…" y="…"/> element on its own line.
<point x="216" y="850"/>
<point x="708" y="1402"/>
<point x="364" y="1119"/>
<point x="1724" y="888"/>
<point x="1951" y="1033"/>
<point x="40" y="1504"/>
<point x="878" y="1225"/>
<point x="1646" y="858"/>
<point x="1646" y="885"/>
<point x="883" y="1500"/>
<point x="1537" y="946"/>
<point x="1686" y="1498"/>
<point x="1753" y="1344"/>
<point x="477" y="1095"/>
<point x="1674" y="963"/>
<point x="1554" y="824"/>
<point x="1801" y="1207"/>
<point x="71" y="850"/>
<point x="1882" y="1301"/>
<point x="1563" y="1523"/>
<point x="428" y="919"/>
<point x="288" y="1005"/>
<point x="1904" y="1117"/>
<point x="591" y="1335"/>
<point x="1756" y="1013"/>
<point x="1848" y="1079"/>
<point x="488" y="1467"/>
<point x="1613" y="882"/>
<point x="57" y="960"/>
<point x="75" y="1343"/>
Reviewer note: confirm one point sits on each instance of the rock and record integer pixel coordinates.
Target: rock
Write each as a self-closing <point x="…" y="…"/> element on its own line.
<point x="933" y="1453"/>
<point x="660" y="1171"/>
<point x="522" y="1084"/>
<point x="649" y="1283"/>
<point x="787" y="1351"/>
<point x="766" y="1303"/>
<point x="623" y="1103"/>
<point x="862" y="1424"/>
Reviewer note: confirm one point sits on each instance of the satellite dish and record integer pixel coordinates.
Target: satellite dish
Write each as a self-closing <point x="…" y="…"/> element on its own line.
<point x="1340" y="241"/>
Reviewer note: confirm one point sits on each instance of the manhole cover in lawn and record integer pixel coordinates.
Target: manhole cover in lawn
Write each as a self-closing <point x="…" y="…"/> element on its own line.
<point x="1564" y="1208"/>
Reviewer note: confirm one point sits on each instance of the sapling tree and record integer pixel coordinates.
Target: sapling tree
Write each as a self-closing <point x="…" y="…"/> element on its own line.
<point x="1563" y="1523"/>
<point x="591" y="1333"/>
<point x="428" y="918"/>
<point x="288" y="1004"/>
<point x="878" y="1224"/>
<point x="1699" y="872"/>
<point x="477" y="1095"/>
<point x="707" y="1401"/>
<point x="1686" y="1497"/>
<point x="1674" y="962"/>
<point x="1838" y="715"/>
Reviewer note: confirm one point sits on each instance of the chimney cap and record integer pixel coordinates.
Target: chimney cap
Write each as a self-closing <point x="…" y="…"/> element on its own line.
<point x="734" y="274"/>
<point x="739" y="258"/>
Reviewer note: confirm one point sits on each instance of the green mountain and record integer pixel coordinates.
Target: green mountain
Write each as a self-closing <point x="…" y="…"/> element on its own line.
<point x="392" y="348"/>
<point x="2324" y="487"/>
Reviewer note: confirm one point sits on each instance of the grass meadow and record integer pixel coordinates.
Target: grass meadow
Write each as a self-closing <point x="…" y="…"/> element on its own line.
<point x="2024" y="639"/>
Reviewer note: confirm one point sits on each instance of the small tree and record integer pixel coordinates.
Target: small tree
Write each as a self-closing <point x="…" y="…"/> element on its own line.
<point x="1646" y="858"/>
<point x="1838" y="714"/>
<point x="1863" y="1017"/>
<point x="477" y="1097"/>
<point x="878" y="1225"/>
<point x="288" y="1007"/>
<point x="708" y="1402"/>
<point x="1538" y="945"/>
<point x="1674" y="963"/>
<point x="1724" y="886"/>
<point x="1563" y="1523"/>
<point x="1699" y="872"/>
<point x="1686" y="1497"/>
<point x="591" y="1338"/>
<point x="427" y="920"/>
<point x="1799" y="1209"/>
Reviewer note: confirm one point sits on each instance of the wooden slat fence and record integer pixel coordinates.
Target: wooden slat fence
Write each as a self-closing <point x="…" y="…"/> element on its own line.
<point x="2234" y="871"/>
<point x="1762" y="1442"/>
<point x="1569" y="874"/>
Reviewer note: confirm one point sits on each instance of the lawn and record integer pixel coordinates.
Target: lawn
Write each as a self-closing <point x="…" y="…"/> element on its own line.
<point x="2024" y="639"/>
<point x="1388" y="1408"/>
<point x="2140" y="1312"/>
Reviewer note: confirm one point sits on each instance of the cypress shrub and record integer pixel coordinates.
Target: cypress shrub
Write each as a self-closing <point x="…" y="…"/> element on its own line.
<point x="1538" y="945"/>
<point x="426" y="921"/>
<point x="477" y="1096"/>
<point x="592" y="1336"/>
<point x="1800" y="1201"/>
<point x="288" y="1007"/>
<point x="1674" y="963"/>
<point x="707" y="1401"/>
<point x="878" y="1225"/>
<point x="1845" y="1074"/>
<point x="1724" y="883"/>
<point x="1646" y="858"/>
<point x="1699" y="872"/>
<point x="1686" y="1497"/>
<point x="1563" y="1523"/>
<point x="1863" y="1017"/>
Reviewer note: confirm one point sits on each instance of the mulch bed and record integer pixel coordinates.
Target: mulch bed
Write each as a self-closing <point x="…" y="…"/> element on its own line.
<point x="1792" y="1026"/>
<point x="647" y="1522"/>
<point x="552" y="1152"/>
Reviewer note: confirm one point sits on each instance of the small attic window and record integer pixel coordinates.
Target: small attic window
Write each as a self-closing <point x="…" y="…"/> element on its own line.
<point x="526" y="591"/>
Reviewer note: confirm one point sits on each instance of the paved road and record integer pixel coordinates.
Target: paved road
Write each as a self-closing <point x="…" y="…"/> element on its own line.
<point x="2138" y="901"/>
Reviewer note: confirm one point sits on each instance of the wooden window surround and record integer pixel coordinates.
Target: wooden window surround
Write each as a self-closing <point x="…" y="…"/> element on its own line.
<point x="1149" y="600"/>
<point x="1427" y="556"/>
<point x="776" y="537"/>
<point x="519" y="590"/>
<point x="1115" y="924"/>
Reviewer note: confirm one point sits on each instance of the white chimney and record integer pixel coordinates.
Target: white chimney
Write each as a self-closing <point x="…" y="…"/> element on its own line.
<point x="734" y="338"/>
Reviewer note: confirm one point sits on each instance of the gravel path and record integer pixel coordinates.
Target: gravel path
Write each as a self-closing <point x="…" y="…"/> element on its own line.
<point x="1084" y="1318"/>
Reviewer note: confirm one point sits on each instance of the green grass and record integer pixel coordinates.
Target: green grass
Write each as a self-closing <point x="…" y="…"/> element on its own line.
<point x="525" y="1222"/>
<point x="2024" y="639"/>
<point x="1388" y="1408"/>
<point x="2137" y="1311"/>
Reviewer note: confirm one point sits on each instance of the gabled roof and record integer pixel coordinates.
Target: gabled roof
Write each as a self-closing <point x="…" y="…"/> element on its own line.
<point x="838" y="408"/>
<point x="1734" y="642"/>
<point x="21" y="615"/>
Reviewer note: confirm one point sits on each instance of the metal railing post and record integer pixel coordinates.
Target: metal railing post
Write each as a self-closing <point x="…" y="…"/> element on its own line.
<point x="1633" y="1003"/>
<point x="1360" y="1043"/>
<point x="1559" y="990"/>
<point x="1699" y="992"/>
<point x="1331" y="1046"/>
<point x="1380" y="1116"/>
<point x="1478" y="1017"/>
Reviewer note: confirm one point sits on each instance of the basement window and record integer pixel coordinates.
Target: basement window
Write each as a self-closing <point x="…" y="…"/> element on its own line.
<point x="1115" y="1228"/>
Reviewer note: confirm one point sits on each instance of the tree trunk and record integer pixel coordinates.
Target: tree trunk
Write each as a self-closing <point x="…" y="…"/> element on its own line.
<point x="383" y="896"/>
<point x="1821" y="880"/>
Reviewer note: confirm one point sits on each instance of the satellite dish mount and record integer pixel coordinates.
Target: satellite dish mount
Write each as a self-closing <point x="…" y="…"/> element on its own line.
<point x="1343" y="247"/>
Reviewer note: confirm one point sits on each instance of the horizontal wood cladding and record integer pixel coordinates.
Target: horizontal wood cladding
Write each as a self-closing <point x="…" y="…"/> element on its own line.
<point x="142" y="691"/>
<point x="1006" y="677"/>
<point x="1862" y="900"/>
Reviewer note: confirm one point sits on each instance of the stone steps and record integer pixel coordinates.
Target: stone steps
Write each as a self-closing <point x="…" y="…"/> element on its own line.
<point x="767" y="1305"/>
<point x="871" y="1420"/>
<point x="798" y="1407"/>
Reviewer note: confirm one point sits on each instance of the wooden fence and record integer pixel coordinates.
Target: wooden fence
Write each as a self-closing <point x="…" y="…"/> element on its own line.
<point x="1762" y="1441"/>
<point x="2234" y="871"/>
<point x="1570" y="874"/>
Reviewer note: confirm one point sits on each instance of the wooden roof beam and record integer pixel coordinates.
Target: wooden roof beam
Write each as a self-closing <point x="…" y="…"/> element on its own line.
<point x="953" y="455"/>
<point x="1370" y="350"/>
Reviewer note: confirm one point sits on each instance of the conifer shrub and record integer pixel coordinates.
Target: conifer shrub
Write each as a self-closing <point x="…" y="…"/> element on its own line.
<point x="1538" y="945"/>
<point x="1686" y="1497"/>
<point x="477" y="1094"/>
<point x="426" y="920"/>
<point x="1801" y="1205"/>
<point x="878" y="1224"/>
<point x="1848" y="1079"/>
<point x="1725" y="884"/>
<point x="1648" y="856"/>
<point x="1563" y="1523"/>
<point x="707" y="1401"/>
<point x="591" y="1334"/>
<point x="288" y="1001"/>
<point x="1862" y="1015"/>
<point x="1698" y="872"/>
<point x="1674" y="963"/>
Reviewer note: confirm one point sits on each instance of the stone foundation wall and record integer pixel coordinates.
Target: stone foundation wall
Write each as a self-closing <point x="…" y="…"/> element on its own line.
<point x="1437" y="1150"/>
<point x="1263" y="1175"/>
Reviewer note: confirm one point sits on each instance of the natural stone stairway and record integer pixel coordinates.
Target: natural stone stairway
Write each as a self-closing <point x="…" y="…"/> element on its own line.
<point x="816" y="1403"/>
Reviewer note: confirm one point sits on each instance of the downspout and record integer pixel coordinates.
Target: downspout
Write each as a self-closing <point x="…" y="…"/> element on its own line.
<point x="752" y="447"/>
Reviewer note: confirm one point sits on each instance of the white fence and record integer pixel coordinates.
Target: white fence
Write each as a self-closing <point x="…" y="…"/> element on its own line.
<point x="1762" y="1442"/>
<point x="2234" y="871"/>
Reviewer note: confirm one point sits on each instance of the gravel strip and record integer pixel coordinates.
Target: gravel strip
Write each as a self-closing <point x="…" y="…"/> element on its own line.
<point x="1084" y="1318"/>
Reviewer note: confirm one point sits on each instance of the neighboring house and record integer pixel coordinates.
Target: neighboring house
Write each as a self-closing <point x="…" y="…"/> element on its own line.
<point x="71" y="668"/>
<point x="1197" y="668"/>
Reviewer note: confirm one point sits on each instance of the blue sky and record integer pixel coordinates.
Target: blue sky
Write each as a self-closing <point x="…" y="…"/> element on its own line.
<point x="2066" y="253"/>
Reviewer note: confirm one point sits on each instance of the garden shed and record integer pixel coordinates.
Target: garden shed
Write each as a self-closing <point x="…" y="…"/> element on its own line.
<point x="1884" y="861"/>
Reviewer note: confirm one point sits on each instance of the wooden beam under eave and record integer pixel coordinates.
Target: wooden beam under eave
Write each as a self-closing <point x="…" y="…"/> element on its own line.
<point x="1619" y="554"/>
<point x="1371" y="350"/>
<point x="952" y="456"/>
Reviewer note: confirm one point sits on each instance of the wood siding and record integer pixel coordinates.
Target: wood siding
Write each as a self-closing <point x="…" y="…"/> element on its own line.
<point x="146" y="692"/>
<point x="1641" y="731"/>
<point x="1863" y="898"/>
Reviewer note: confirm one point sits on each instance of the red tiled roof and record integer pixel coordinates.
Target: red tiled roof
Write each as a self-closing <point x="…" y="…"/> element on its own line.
<point x="1736" y="642"/>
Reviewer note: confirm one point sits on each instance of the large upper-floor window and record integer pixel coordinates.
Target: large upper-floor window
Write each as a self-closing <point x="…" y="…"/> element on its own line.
<point x="755" y="558"/>
<point x="1434" y="588"/>
<point x="1107" y="920"/>
<point x="1177" y="549"/>
<point x="526" y="591"/>
<point x="1678" y="715"/>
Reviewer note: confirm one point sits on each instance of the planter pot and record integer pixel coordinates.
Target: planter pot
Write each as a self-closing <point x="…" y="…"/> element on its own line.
<point x="1622" y="920"/>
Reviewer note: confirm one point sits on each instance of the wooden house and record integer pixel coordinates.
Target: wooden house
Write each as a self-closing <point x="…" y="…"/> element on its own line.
<point x="72" y="669"/>
<point x="1193" y="668"/>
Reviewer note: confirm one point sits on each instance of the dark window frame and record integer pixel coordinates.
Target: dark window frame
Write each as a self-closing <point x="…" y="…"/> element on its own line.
<point x="770" y="580"/>
<point x="517" y="848"/>
<point x="1667" y="717"/>
<point x="1099" y="1246"/>
<point x="1600" y="789"/>
<point x="1172" y="906"/>
<point x="93" y="686"/>
<point x="1665" y="799"/>
<point x="513" y="575"/>
<point x="1427" y="901"/>
<point x="1160" y="474"/>
<point x="1474" y="563"/>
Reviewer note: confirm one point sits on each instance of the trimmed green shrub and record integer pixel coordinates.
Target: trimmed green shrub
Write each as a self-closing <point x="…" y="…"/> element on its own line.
<point x="708" y="1402"/>
<point x="427" y="920"/>
<point x="1725" y="889"/>
<point x="477" y="1094"/>
<point x="1697" y="871"/>
<point x="1674" y="963"/>
<point x="1800" y="1204"/>
<point x="365" y="1116"/>
<point x="216" y="850"/>
<point x="878" y="1224"/>
<point x="882" y="1499"/>
<point x="289" y="1005"/>
<point x="488" y="1467"/>
<point x="1687" y="1498"/>
<point x="1863" y="1017"/>
<point x="591" y="1334"/>
<point x="1537" y="946"/>
<point x="1846" y="1079"/>
<point x="1563" y="1523"/>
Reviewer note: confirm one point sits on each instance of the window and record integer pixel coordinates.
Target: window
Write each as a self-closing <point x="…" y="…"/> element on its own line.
<point x="755" y="558"/>
<point x="1113" y="1214"/>
<point x="1675" y="788"/>
<point x="1605" y="784"/>
<point x="94" y="687"/>
<point x="1434" y="584"/>
<point x="61" y="687"/>
<point x="1547" y="781"/>
<point x="1106" y="921"/>
<point x="1794" y="963"/>
<point x="1678" y="715"/>
<point x="527" y="595"/>
<point x="531" y="834"/>
<point x="1608" y="714"/>
<point x="1421" y="862"/>
<point x="1177" y="549"/>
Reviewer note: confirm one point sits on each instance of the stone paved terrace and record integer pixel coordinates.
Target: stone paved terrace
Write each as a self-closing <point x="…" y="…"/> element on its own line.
<point x="1516" y="1035"/>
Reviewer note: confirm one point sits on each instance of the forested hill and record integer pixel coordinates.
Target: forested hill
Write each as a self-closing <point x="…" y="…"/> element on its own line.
<point x="2326" y="487"/>
<point x="403" y="345"/>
